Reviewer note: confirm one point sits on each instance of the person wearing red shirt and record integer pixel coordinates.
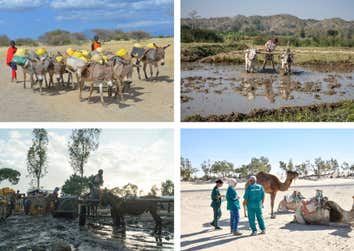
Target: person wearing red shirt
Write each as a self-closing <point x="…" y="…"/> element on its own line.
<point x="10" y="54"/>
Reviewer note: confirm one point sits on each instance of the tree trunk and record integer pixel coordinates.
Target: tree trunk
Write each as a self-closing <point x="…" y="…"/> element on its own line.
<point x="38" y="182"/>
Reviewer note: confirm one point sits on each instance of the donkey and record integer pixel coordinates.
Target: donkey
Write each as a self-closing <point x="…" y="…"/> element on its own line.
<point x="76" y="67"/>
<point x="115" y="71"/>
<point x="121" y="207"/>
<point x="37" y="70"/>
<point x="250" y="60"/>
<point x="153" y="57"/>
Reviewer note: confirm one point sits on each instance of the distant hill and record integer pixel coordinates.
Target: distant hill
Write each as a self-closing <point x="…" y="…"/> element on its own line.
<point x="276" y="24"/>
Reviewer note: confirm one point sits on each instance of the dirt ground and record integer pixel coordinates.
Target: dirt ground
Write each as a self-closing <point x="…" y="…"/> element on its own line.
<point x="148" y="101"/>
<point x="197" y="234"/>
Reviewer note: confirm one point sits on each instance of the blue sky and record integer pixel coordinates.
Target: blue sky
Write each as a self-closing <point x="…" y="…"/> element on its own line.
<point x="316" y="9"/>
<point x="31" y="18"/>
<point x="240" y="145"/>
<point x="143" y="157"/>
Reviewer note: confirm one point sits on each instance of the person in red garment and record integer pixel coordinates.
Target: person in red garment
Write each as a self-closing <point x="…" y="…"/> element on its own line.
<point x="10" y="54"/>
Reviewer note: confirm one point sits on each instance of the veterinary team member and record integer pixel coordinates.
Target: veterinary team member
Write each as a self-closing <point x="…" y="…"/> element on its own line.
<point x="216" y="204"/>
<point x="233" y="205"/>
<point x="254" y="197"/>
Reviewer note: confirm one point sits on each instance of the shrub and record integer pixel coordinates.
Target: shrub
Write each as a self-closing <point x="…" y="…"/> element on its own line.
<point x="4" y="40"/>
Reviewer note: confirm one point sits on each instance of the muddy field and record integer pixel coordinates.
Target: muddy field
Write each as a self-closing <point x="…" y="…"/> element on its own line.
<point x="214" y="90"/>
<point x="150" y="100"/>
<point x="44" y="233"/>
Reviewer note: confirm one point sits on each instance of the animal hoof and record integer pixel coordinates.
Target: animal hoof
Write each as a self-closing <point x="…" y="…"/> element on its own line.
<point x="272" y="216"/>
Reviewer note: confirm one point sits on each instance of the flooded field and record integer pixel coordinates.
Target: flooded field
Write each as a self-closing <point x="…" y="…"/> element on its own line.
<point x="223" y="89"/>
<point x="47" y="233"/>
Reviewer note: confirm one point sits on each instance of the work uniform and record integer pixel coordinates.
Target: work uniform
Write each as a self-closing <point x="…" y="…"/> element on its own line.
<point x="10" y="54"/>
<point x="233" y="205"/>
<point x="254" y="196"/>
<point x="216" y="205"/>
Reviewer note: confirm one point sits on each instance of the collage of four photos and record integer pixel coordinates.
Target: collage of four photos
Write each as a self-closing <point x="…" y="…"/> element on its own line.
<point x="176" y="125"/>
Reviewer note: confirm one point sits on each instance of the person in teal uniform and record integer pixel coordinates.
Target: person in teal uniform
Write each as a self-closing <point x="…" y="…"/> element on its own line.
<point x="216" y="198"/>
<point x="233" y="205"/>
<point x="254" y="197"/>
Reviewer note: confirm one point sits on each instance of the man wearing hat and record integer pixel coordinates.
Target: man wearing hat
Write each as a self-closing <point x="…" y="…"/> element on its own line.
<point x="254" y="198"/>
<point x="216" y="204"/>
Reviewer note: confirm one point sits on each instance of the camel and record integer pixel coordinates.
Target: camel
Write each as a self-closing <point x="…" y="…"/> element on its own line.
<point x="272" y="185"/>
<point x="321" y="211"/>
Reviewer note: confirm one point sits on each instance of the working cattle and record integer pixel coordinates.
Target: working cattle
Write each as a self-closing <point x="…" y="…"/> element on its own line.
<point x="287" y="58"/>
<point x="250" y="60"/>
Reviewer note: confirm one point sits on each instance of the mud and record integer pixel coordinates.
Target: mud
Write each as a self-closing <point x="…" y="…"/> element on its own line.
<point x="263" y="113"/>
<point x="47" y="233"/>
<point x="226" y="89"/>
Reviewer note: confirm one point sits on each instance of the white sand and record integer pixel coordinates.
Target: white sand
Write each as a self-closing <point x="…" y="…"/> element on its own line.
<point x="281" y="234"/>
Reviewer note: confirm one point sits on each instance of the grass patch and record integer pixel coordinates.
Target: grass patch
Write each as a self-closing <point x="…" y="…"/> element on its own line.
<point x="329" y="112"/>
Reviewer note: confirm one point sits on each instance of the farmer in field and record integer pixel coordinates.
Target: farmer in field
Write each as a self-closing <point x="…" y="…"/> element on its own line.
<point x="96" y="43"/>
<point x="254" y="198"/>
<point x="233" y="205"/>
<point x="270" y="46"/>
<point x="10" y="54"/>
<point x="216" y="204"/>
<point x="96" y="184"/>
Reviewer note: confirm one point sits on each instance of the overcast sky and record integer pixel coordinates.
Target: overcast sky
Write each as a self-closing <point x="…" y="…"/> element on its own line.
<point x="31" y="18"/>
<point x="316" y="9"/>
<point x="142" y="157"/>
<point x="240" y="145"/>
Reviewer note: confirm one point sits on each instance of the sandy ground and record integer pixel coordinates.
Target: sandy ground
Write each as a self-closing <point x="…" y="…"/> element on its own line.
<point x="197" y="234"/>
<point x="148" y="101"/>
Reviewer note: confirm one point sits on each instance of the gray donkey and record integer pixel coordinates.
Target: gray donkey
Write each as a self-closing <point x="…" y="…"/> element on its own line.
<point x="151" y="57"/>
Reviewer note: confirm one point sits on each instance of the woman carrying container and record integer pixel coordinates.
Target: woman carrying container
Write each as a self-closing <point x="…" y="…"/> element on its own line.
<point x="10" y="54"/>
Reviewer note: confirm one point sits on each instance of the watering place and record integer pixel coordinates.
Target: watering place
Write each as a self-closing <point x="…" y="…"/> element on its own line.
<point x="222" y="89"/>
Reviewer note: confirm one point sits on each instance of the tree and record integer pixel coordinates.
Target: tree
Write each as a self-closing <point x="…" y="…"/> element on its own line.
<point x="75" y="185"/>
<point x="81" y="143"/>
<point x="222" y="168"/>
<point x="139" y="35"/>
<point x="187" y="171"/>
<point x="153" y="191"/>
<point x="193" y="14"/>
<point x="286" y="167"/>
<point x="256" y="165"/>
<point x="37" y="155"/>
<point x="9" y="174"/>
<point x="128" y="190"/>
<point x="321" y="167"/>
<point x="167" y="188"/>
<point x="206" y="167"/>
<point x="303" y="168"/>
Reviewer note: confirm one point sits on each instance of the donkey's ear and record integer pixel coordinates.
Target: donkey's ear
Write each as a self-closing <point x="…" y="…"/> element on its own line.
<point x="165" y="47"/>
<point x="155" y="45"/>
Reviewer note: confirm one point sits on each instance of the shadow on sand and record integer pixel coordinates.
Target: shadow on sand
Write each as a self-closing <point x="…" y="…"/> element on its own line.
<point x="338" y="231"/>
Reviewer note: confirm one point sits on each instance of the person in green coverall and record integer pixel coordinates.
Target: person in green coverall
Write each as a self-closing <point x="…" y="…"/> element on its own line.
<point x="254" y="197"/>
<point x="216" y="204"/>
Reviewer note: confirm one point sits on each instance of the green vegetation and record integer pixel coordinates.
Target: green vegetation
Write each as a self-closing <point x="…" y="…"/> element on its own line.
<point x="328" y="112"/>
<point x="317" y="168"/>
<point x="190" y="35"/>
<point x="37" y="156"/>
<point x="9" y="174"/>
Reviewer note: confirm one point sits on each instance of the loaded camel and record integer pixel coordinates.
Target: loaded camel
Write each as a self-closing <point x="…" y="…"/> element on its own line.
<point x="272" y="185"/>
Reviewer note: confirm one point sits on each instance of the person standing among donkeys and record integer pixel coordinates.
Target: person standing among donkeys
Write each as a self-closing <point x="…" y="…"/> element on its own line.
<point x="216" y="198"/>
<point x="233" y="205"/>
<point x="10" y="54"/>
<point x="254" y="198"/>
<point x="96" y="43"/>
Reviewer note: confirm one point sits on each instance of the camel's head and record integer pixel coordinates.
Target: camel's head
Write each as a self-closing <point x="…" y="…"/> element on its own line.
<point x="292" y="175"/>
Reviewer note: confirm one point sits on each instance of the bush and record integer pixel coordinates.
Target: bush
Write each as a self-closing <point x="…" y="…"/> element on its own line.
<point x="26" y="41"/>
<point x="4" y="40"/>
<point x="189" y="35"/>
<point x="139" y="35"/>
<point x="56" y="37"/>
